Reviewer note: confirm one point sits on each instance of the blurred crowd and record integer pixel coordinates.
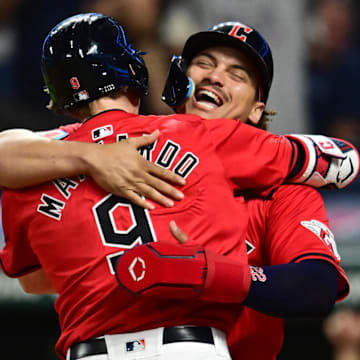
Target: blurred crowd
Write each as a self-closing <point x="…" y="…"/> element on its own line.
<point x="23" y="26"/>
<point x="342" y="330"/>
<point x="333" y="66"/>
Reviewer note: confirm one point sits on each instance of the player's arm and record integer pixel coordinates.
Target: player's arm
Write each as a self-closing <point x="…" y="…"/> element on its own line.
<point x="321" y="161"/>
<point x="304" y="278"/>
<point x="258" y="161"/>
<point x="307" y="288"/>
<point x="179" y="271"/>
<point x="36" y="282"/>
<point x="28" y="159"/>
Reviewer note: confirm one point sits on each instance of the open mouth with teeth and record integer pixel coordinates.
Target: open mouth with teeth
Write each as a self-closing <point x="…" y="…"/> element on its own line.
<point x="208" y="97"/>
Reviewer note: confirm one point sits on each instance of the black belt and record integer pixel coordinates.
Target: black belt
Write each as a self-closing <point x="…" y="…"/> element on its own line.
<point x="199" y="334"/>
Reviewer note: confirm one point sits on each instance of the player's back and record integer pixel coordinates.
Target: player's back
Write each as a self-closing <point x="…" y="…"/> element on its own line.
<point x="77" y="231"/>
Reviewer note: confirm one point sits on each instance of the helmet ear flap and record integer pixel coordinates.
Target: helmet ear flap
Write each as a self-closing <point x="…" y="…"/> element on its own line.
<point x="138" y="76"/>
<point x="178" y="87"/>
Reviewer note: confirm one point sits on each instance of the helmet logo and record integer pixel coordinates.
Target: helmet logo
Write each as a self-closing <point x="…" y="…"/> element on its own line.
<point x="74" y="82"/>
<point x="82" y="95"/>
<point x="240" y="31"/>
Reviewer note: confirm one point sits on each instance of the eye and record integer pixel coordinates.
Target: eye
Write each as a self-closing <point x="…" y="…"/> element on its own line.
<point x="202" y="62"/>
<point x="239" y="75"/>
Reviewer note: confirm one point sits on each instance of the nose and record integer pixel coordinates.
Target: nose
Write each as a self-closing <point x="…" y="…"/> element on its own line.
<point x="216" y="76"/>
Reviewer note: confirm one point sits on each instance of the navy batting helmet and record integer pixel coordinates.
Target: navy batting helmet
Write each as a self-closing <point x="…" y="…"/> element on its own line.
<point x="87" y="56"/>
<point x="232" y="34"/>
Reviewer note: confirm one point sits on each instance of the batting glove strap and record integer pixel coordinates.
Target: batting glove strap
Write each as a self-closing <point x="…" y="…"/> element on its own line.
<point x="174" y="271"/>
<point x="163" y="270"/>
<point x="328" y="162"/>
<point x="227" y="280"/>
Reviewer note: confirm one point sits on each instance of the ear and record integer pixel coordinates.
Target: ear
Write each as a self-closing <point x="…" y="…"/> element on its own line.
<point x="256" y="112"/>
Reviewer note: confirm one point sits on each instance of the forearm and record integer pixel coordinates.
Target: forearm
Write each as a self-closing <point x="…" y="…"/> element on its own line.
<point x="27" y="159"/>
<point x="307" y="288"/>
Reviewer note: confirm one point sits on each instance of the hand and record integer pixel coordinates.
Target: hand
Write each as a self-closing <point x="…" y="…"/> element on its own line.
<point x="119" y="168"/>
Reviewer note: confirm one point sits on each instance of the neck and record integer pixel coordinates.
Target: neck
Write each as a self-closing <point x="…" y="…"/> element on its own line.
<point x="122" y="100"/>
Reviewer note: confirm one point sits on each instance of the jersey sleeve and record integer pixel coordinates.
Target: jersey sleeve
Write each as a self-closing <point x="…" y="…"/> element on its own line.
<point x="16" y="257"/>
<point x="298" y="229"/>
<point x="255" y="160"/>
<point x="61" y="132"/>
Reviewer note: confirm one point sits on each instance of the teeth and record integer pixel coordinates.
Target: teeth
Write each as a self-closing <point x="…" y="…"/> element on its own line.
<point x="210" y="95"/>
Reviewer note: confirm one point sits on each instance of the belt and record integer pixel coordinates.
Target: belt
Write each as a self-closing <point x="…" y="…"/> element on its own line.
<point x="199" y="334"/>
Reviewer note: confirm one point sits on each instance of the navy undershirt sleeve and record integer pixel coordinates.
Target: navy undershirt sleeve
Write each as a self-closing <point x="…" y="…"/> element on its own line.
<point x="298" y="160"/>
<point x="308" y="288"/>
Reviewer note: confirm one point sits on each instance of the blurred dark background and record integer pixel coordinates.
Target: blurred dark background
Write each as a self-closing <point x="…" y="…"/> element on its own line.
<point x="316" y="49"/>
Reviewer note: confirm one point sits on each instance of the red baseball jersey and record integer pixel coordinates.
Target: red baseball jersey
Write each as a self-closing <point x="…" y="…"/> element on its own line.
<point x="289" y="227"/>
<point x="61" y="132"/>
<point x="76" y="231"/>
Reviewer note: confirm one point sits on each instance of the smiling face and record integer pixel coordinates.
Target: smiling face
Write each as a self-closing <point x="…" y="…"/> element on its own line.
<point x="226" y="86"/>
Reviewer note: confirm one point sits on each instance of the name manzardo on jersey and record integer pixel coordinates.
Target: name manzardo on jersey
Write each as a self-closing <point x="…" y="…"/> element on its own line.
<point x="168" y="158"/>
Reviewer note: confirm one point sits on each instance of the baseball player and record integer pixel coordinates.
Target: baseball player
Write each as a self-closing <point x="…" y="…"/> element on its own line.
<point x="69" y="235"/>
<point x="289" y="243"/>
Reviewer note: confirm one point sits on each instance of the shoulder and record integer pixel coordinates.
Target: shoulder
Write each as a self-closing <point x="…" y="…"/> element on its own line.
<point x="292" y="204"/>
<point x="288" y="196"/>
<point x="178" y="122"/>
<point x="290" y="192"/>
<point x="185" y="118"/>
<point x="16" y="199"/>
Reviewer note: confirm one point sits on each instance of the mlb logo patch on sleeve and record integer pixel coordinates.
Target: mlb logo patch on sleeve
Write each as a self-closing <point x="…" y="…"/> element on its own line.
<point x="102" y="132"/>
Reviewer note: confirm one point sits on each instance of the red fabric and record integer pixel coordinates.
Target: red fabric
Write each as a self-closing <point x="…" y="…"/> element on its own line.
<point x="227" y="280"/>
<point x="70" y="128"/>
<point x="78" y="234"/>
<point x="162" y="269"/>
<point x="61" y="132"/>
<point x="278" y="233"/>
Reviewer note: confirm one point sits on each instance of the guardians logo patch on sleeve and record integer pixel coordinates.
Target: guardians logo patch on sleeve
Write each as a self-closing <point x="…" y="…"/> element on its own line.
<point x="324" y="233"/>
